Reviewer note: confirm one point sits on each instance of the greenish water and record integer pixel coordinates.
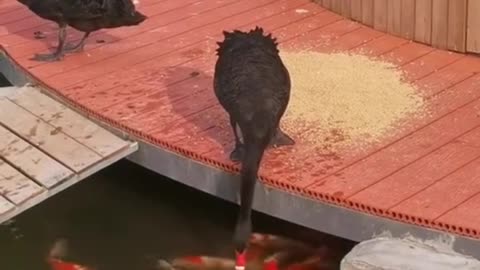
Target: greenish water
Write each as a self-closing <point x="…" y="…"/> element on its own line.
<point x="125" y="217"/>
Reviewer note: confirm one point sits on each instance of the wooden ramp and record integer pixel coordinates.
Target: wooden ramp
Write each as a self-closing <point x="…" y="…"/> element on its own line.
<point x="47" y="147"/>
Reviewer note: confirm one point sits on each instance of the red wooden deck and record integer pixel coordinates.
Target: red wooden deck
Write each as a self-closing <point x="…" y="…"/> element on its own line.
<point x="155" y="82"/>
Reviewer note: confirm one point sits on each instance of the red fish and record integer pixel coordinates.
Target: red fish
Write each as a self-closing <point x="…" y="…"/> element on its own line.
<point x="265" y="252"/>
<point x="56" y="264"/>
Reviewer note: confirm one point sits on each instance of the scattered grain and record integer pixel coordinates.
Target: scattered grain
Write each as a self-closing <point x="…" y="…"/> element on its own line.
<point x="346" y="99"/>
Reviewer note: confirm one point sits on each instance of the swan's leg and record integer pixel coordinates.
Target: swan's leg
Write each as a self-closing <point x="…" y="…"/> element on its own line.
<point x="77" y="47"/>
<point x="58" y="54"/>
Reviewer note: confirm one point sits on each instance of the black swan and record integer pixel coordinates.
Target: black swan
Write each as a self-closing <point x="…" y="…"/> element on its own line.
<point x="253" y="86"/>
<point x="84" y="15"/>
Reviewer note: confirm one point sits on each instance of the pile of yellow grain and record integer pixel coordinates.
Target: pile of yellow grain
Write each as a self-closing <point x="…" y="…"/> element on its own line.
<point x="346" y="100"/>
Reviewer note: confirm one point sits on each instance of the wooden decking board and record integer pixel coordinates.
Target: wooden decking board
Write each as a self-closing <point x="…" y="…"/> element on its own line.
<point x="432" y="202"/>
<point x="15" y="186"/>
<point x="181" y="34"/>
<point x="24" y="38"/>
<point x="71" y="123"/>
<point x="155" y="79"/>
<point x="379" y="46"/>
<point x="144" y="47"/>
<point x="129" y="83"/>
<point x="161" y="110"/>
<point x="5" y="205"/>
<point x="445" y="78"/>
<point x="447" y="106"/>
<point x="46" y="137"/>
<point x="326" y="34"/>
<point x="161" y="12"/>
<point x="184" y="71"/>
<point x="38" y="146"/>
<point x="417" y="175"/>
<point x="117" y="35"/>
<point x="291" y="21"/>
<point x="14" y="15"/>
<point x="8" y="6"/>
<point x="445" y="103"/>
<point x="429" y="63"/>
<point x="168" y="89"/>
<point x="349" y="40"/>
<point x="410" y="58"/>
<point x="129" y="91"/>
<point x="33" y="162"/>
<point x="407" y="53"/>
<point x="465" y="214"/>
<point x="20" y="25"/>
<point x="189" y="127"/>
<point x="154" y="72"/>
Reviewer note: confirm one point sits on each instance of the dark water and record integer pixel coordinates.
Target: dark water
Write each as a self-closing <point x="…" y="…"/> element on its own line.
<point x="3" y="81"/>
<point x="125" y="217"/>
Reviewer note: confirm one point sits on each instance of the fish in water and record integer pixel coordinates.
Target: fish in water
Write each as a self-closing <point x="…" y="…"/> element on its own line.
<point x="253" y="86"/>
<point x="86" y="16"/>
<point x="265" y="252"/>
<point x="57" y="257"/>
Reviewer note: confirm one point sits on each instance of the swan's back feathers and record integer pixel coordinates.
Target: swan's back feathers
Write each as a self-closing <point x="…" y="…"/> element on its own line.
<point x="82" y="9"/>
<point x="119" y="8"/>
<point x="253" y="38"/>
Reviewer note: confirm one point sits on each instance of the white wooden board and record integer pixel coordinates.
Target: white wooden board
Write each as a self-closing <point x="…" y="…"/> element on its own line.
<point x="73" y="124"/>
<point x="16" y="187"/>
<point x="30" y="160"/>
<point x="5" y="206"/>
<point x="46" y="137"/>
<point x="46" y="147"/>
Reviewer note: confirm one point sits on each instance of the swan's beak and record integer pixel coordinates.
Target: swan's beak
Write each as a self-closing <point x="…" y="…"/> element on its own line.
<point x="136" y="2"/>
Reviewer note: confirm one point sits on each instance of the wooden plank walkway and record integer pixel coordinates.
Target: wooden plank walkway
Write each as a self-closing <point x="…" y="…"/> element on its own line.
<point x="47" y="147"/>
<point x="155" y="81"/>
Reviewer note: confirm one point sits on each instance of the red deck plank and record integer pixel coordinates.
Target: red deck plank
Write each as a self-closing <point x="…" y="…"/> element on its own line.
<point x="328" y="33"/>
<point x="8" y="4"/>
<point x="154" y="80"/>
<point x="348" y="41"/>
<point x="162" y="96"/>
<point x="417" y="140"/>
<point x="129" y="89"/>
<point x="141" y="46"/>
<point x="148" y="78"/>
<point x="20" y="25"/>
<point x="25" y="50"/>
<point x="465" y="218"/>
<point x="429" y="64"/>
<point x="179" y="35"/>
<point x="433" y="202"/>
<point x="407" y="53"/>
<point x="13" y="15"/>
<point x="434" y="160"/>
<point x="379" y="46"/>
<point x="26" y="43"/>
